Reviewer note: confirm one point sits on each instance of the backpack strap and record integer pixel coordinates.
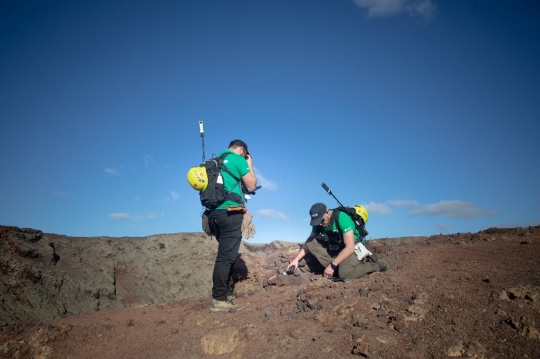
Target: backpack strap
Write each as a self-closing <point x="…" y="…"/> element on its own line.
<point x="360" y="227"/>
<point x="361" y="231"/>
<point x="337" y="210"/>
<point x="230" y="195"/>
<point x="334" y="218"/>
<point x="333" y="239"/>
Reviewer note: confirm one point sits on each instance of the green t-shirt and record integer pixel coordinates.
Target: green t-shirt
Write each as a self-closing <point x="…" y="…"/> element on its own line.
<point x="345" y="223"/>
<point x="238" y="166"/>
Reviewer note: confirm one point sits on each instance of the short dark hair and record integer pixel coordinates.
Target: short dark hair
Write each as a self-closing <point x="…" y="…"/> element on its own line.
<point x="238" y="143"/>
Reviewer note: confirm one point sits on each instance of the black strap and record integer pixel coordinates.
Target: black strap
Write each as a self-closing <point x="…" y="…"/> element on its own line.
<point x="360" y="232"/>
<point x="230" y="195"/>
<point x="222" y="157"/>
<point x="334" y="218"/>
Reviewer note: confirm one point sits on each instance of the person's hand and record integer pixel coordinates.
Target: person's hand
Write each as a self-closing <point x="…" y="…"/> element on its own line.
<point x="292" y="264"/>
<point x="328" y="272"/>
<point x="249" y="160"/>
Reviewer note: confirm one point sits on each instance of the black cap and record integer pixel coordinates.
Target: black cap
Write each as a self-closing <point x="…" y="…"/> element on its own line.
<point x="239" y="143"/>
<point x="317" y="212"/>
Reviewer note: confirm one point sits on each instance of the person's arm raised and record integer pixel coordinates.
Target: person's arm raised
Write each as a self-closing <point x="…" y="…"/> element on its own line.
<point x="249" y="179"/>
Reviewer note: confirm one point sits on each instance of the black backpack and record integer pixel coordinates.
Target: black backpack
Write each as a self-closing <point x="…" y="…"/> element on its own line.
<point x="334" y="240"/>
<point x="358" y="221"/>
<point x="215" y="194"/>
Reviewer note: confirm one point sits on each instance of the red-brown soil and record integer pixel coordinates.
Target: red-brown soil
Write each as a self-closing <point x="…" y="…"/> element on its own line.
<point x="469" y="295"/>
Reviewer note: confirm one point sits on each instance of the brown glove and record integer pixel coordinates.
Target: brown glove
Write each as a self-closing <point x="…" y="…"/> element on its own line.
<point x="248" y="228"/>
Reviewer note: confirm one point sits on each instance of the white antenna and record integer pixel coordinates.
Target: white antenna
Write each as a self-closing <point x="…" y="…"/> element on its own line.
<point x="201" y="128"/>
<point x="201" y="131"/>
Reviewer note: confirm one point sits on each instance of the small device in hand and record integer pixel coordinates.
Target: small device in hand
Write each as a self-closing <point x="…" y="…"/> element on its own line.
<point x="291" y="270"/>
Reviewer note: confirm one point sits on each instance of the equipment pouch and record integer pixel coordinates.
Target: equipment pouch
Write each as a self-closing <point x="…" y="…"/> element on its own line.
<point x="322" y="238"/>
<point x="361" y="251"/>
<point x="205" y="224"/>
<point x="325" y="240"/>
<point x="334" y="247"/>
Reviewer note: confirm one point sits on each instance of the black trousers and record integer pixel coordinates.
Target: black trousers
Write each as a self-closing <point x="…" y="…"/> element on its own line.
<point x="227" y="227"/>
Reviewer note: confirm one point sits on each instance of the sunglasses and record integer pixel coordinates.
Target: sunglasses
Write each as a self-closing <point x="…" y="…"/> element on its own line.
<point x="322" y="221"/>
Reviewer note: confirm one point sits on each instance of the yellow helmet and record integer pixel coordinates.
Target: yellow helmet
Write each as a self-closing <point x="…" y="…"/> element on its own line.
<point x="362" y="212"/>
<point x="197" y="178"/>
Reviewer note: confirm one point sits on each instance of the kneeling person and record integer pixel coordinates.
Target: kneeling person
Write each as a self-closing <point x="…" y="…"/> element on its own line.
<point x="332" y="241"/>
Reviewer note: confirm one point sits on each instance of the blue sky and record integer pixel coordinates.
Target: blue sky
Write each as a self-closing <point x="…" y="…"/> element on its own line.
<point x="427" y="112"/>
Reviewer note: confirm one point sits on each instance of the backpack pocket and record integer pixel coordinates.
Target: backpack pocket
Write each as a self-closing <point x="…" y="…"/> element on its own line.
<point x="206" y="224"/>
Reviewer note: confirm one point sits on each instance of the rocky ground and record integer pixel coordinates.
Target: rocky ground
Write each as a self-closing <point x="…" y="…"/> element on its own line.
<point x="468" y="295"/>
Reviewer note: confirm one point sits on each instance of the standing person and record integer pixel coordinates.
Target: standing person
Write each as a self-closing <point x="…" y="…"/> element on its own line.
<point x="337" y="255"/>
<point x="226" y="224"/>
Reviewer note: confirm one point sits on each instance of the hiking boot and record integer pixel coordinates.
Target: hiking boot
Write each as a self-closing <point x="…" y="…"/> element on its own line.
<point x="231" y="299"/>
<point x="383" y="265"/>
<point x="224" y="306"/>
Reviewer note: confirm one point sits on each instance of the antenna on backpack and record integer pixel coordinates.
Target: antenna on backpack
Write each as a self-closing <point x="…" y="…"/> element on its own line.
<point x="330" y="193"/>
<point x="201" y="131"/>
<point x="359" y="223"/>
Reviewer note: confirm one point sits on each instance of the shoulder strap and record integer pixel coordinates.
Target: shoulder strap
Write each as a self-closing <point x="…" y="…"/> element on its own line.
<point x="230" y="194"/>
<point x="334" y="218"/>
<point x="224" y="168"/>
<point x="360" y="227"/>
<point x="337" y="211"/>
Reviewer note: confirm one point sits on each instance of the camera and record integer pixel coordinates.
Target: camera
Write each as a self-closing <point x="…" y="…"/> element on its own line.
<point x="291" y="270"/>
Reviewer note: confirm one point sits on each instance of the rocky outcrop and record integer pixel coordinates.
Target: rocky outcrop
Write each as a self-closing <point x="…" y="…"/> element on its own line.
<point x="47" y="276"/>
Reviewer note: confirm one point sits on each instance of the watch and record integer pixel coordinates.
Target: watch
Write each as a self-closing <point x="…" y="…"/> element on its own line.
<point x="333" y="266"/>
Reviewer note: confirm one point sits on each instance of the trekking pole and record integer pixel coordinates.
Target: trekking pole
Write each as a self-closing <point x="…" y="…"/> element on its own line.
<point x="201" y="130"/>
<point x="330" y="193"/>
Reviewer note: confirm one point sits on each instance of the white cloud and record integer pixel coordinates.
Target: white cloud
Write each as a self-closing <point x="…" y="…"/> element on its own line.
<point x="119" y="216"/>
<point x="454" y="209"/>
<point x="378" y="208"/>
<point x="111" y="171"/>
<point x="264" y="182"/>
<point x="175" y="196"/>
<point x="388" y="8"/>
<point x="425" y="9"/>
<point x="270" y="213"/>
<point x="148" y="160"/>
<point x="403" y="203"/>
